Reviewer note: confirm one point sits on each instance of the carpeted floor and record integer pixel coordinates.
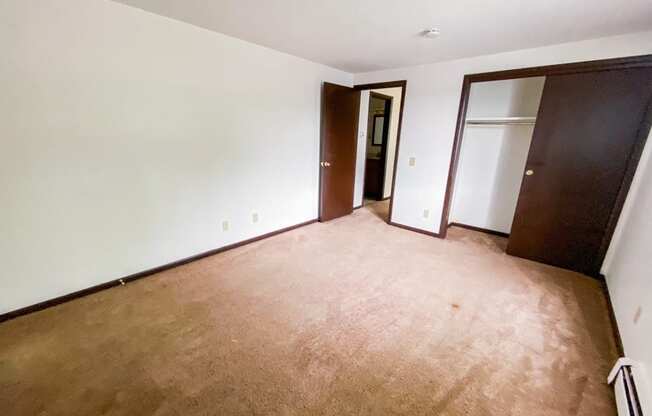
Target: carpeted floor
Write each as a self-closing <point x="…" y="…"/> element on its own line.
<point x="344" y="318"/>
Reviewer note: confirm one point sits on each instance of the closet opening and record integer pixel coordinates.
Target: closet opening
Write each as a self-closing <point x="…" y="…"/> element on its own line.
<point x="498" y="130"/>
<point x="545" y="157"/>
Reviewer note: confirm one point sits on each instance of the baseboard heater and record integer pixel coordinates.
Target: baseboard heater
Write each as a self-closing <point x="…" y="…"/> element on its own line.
<point x="622" y="378"/>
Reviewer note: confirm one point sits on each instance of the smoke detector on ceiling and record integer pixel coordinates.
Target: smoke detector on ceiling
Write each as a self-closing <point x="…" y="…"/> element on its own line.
<point x="431" y="33"/>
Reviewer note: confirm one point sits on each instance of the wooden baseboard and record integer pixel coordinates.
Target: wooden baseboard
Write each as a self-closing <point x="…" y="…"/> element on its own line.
<point x="416" y="230"/>
<point x="612" y="317"/>
<point x="482" y="230"/>
<point x="117" y="282"/>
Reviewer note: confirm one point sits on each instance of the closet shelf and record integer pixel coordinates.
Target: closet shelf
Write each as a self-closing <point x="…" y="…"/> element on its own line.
<point x="500" y="121"/>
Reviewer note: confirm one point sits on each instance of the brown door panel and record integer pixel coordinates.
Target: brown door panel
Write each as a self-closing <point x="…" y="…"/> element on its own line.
<point x="339" y="131"/>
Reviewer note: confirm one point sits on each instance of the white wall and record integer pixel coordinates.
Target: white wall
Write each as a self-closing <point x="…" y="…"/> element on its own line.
<point x="508" y="98"/>
<point x="430" y="113"/>
<point x="492" y="158"/>
<point x="627" y="270"/>
<point x="361" y="155"/>
<point x="127" y="138"/>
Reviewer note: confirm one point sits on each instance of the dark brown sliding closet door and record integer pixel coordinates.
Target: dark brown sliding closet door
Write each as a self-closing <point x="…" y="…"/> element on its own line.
<point x="586" y="130"/>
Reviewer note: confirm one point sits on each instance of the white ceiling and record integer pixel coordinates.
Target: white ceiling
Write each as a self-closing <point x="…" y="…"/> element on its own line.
<point x="367" y="35"/>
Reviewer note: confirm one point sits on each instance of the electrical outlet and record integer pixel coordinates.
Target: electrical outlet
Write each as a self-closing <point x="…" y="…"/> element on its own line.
<point x="254" y="217"/>
<point x="426" y="213"/>
<point x="225" y="226"/>
<point x="412" y="161"/>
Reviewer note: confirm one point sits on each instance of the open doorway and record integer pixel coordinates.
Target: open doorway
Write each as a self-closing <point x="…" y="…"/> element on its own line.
<point x="378" y="136"/>
<point x="380" y="110"/>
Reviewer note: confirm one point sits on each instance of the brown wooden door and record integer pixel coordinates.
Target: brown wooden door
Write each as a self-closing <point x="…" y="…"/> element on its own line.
<point x="339" y="131"/>
<point x="586" y="131"/>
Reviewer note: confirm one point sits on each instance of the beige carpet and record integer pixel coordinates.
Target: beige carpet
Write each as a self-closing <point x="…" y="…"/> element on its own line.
<point x="344" y="318"/>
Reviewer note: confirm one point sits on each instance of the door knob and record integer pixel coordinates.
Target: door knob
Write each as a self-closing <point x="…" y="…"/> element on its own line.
<point x="529" y="172"/>
<point x="327" y="164"/>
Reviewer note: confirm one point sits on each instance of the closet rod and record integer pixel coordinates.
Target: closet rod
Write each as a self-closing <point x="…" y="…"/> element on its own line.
<point x="499" y="121"/>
